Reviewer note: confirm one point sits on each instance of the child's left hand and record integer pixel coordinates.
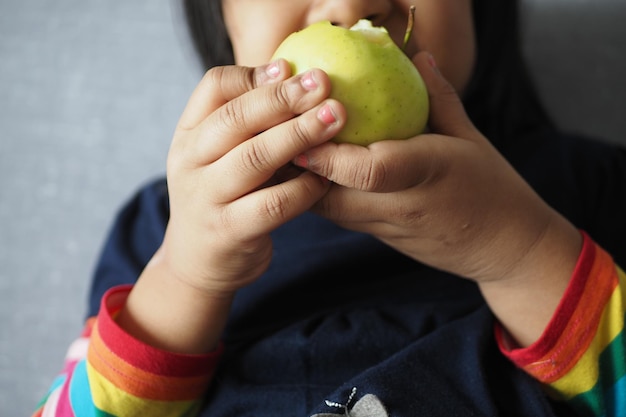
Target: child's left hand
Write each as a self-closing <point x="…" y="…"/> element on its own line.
<point x="449" y="199"/>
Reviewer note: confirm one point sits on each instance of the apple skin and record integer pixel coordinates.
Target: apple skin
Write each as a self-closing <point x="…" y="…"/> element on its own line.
<point x="382" y="91"/>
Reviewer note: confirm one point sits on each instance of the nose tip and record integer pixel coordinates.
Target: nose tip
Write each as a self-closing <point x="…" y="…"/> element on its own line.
<point x="346" y="13"/>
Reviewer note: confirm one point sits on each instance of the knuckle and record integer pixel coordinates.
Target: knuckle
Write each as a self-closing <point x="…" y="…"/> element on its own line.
<point x="281" y="96"/>
<point x="408" y="216"/>
<point x="255" y="157"/>
<point x="232" y="116"/>
<point x="290" y="96"/>
<point x="275" y="207"/>
<point x="225" y="78"/>
<point x="324" y="165"/>
<point x="250" y="80"/>
<point x="371" y="176"/>
<point x="214" y="73"/>
<point x="216" y="76"/>
<point x="300" y="131"/>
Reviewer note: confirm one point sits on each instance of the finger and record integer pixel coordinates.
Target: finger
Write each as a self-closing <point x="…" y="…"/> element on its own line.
<point x="255" y="161"/>
<point x="382" y="167"/>
<point x="352" y="209"/>
<point x="271" y="207"/>
<point x="344" y="205"/>
<point x="257" y="111"/>
<point x="283" y="174"/>
<point x="222" y="84"/>
<point x="447" y="114"/>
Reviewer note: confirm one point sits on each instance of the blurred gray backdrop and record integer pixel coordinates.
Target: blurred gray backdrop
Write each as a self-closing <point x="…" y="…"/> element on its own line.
<point x="90" y="92"/>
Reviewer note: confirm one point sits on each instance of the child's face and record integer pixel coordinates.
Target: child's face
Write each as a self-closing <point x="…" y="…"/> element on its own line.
<point x="442" y="27"/>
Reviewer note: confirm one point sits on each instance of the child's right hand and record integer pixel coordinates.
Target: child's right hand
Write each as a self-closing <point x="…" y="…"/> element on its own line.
<point x="230" y="185"/>
<point x="221" y="213"/>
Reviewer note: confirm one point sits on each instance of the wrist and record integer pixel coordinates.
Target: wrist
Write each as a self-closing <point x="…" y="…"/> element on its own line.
<point x="172" y="315"/>
<point x="525" y="299"/>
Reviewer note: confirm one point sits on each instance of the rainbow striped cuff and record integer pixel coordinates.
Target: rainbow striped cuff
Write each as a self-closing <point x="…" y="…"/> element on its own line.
<point x="110" y="373"/>
<point x="581" y="355"/>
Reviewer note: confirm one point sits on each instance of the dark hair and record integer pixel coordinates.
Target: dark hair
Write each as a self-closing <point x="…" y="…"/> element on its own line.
<point x="500" y="99"/>
<point x="208" y="32"/>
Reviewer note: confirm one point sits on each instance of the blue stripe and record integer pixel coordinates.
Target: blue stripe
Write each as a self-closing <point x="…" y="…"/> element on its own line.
<point x="80" y="392"/>
<point x="58" y="382"/>
<point x="616" y="398"/>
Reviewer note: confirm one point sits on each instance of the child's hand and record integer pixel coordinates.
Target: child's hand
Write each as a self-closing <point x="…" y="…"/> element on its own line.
<point x="441" y="197"/>
<point x="450" y="200"/>
<point x="229" y="185"/>
<point x="219" y="169"/>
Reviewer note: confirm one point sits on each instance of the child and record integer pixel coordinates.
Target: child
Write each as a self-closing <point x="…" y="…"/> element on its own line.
<point x="282" y="274"/>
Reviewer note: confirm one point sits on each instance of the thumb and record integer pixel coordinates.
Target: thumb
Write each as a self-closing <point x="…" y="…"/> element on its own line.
<point x="447" y="114"/>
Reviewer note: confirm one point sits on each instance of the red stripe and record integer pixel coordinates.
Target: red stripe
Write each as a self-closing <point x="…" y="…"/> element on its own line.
<point x="565" y="310"/>
<point x="142" y="356"/>
<point x="139" y="383"/>
<point x="575" y="321"/>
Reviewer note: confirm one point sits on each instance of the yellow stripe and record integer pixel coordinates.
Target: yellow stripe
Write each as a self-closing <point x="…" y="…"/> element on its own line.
<point x="110" y="399"/>
<point x="584" y="375"/>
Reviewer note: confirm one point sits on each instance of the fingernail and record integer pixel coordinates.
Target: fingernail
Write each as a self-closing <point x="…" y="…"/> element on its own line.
<point x="301" y="161"/>
<point x="273" y="70"/>
<point x="433" y="63"/>
<point x="308" y="81"/>
<point x="327" y="115"/>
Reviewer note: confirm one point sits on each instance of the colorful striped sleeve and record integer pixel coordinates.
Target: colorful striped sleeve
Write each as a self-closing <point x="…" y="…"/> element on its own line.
<point x="581" y="358"/>
<point x="108" y="373"/>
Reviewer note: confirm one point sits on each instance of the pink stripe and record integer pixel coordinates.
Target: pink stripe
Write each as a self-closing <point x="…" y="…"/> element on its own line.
<point x="64" y="407"/>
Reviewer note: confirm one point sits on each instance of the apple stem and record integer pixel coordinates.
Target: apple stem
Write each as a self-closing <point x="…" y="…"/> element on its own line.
<point x="409" y="28"/>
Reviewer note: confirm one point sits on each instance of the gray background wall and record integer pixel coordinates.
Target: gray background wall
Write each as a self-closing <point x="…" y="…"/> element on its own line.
<point x="89" y="94"/>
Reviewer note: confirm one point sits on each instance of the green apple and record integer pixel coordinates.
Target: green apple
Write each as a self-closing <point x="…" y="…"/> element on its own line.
<point x="382" y="91"/>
